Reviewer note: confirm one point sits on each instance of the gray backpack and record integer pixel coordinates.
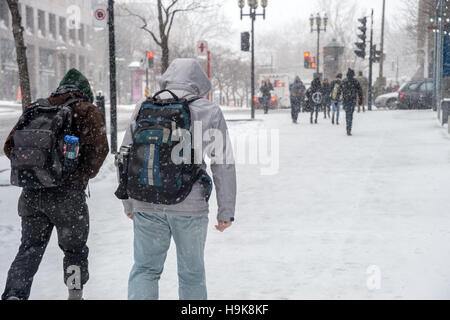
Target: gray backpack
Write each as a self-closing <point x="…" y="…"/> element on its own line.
<point x="37" y="159"/>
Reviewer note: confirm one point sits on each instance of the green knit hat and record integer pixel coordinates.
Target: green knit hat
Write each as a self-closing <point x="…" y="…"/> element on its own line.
<point x="76" y="78"/>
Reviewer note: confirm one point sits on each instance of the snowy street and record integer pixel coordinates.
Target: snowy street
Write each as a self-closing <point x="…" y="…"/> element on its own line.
<point x="337" y="207"/>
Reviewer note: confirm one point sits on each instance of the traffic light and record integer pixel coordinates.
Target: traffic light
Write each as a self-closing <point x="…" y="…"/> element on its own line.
<point x="307" y="60"/>
<point x="376" y="54"/>
<point x="313" y="63"/>
<point x="362" y="36"/>
<point x="150" y="56"/>
<point x="245" y="41"/>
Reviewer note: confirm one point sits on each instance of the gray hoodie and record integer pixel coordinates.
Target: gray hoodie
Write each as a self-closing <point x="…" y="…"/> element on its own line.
<point x="185" y="78"/>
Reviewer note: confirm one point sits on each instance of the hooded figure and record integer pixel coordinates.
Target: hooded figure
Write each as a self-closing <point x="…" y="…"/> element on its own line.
<point x="315" y="98"/>
<point x="187" y="221"/>
<point x="63" y="207"/>
<point x="351" y="90"/>
<point x="297" y="90"/>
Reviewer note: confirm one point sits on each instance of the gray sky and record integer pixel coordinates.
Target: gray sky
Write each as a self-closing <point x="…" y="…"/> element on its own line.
<point x="280" y="11"/>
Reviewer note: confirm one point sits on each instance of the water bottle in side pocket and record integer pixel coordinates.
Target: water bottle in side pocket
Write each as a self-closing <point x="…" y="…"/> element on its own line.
<point x="71" y="152"/>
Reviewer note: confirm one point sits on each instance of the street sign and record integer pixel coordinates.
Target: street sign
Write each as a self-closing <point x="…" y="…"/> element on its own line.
<point x="202" y="48"/>
<point x="100" y="17"/>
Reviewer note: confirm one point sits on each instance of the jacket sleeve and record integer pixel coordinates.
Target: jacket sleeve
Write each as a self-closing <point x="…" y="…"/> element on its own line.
<point x="127" y="140"/>
<point x="224" y="174"/>
<point x="94" y="140"/>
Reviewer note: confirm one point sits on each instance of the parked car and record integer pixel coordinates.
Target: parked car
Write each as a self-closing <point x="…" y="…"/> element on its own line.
<point x="387" y="100"/>
<point x="416" y="94"/>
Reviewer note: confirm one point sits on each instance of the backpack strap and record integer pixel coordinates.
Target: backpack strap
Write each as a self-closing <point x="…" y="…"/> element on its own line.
<point x="71" y="102"/>
<point x="165" y="90"/>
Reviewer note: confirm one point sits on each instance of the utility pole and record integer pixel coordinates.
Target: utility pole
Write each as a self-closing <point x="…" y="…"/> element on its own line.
<point x="112" y="76"/>
<point x="380" y="77"/>
<point x="371" y="55"/>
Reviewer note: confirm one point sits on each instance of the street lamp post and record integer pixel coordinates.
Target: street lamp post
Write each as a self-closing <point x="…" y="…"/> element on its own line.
<point x="318" y="22"/>
<point x="437" y="24"/>
<point x="253" y="6"/>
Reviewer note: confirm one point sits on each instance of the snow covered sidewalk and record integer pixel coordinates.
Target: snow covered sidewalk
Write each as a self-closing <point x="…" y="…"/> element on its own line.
<point x="338" y="206"/>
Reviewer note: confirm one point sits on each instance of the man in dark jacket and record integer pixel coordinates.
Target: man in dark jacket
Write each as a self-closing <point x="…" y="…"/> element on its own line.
<point x="351" y="90"/>
<point x="266" y="88"/>
<point x="297" y="90"/>
<point x="62" y="207"/>
<point x="315" y="98"/>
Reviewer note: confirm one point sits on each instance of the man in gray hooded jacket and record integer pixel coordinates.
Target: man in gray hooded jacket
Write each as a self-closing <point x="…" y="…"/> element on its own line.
<point x="187" y="222"/>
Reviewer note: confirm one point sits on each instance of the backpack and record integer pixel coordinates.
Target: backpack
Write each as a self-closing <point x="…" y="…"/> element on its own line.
<point x="152" y="175"/>
<point x="37" y="159"/>
<point x="334" y="94"/>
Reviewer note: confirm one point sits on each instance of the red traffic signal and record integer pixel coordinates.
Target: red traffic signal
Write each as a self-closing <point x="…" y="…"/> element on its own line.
<point x="150" y="56"/>
<point x="307" y="54"/>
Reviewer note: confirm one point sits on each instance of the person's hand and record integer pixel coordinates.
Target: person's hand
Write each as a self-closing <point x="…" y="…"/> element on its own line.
<point x="223" y="225"/>
<point x="130" y="215"/>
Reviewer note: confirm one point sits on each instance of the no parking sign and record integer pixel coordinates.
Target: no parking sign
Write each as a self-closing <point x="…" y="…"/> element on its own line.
<point x="100" y="15"/>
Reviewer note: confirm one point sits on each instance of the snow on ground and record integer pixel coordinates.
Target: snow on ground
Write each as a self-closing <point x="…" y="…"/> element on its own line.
<point x="337" y="206"/>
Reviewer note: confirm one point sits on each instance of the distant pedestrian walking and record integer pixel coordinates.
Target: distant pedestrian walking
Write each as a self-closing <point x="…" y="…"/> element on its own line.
<point x="266" y="88"/>
<point x="351" y="91"/>
<point x="326" y="103"/>
<point x="364" y="83"/>
<point x="336" y="100"/>
<point x="315" y="99"/>
<point x="297" y="90"/>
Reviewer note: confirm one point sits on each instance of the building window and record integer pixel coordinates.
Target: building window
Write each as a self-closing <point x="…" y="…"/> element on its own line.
<point x="52" y="25"/>
<point x="4" y="14"/>
<point x="62" y="29"/>
<point x="29" y="19"/>
<point x="81" y="35"/>
<point x="72" y="61"/>
<point x="82" y="64"/>
<point x="72" y="35"/>
<point x="41" y="23"/>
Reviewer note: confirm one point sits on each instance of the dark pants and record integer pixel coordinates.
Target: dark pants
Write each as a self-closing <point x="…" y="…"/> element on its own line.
<point x="326" y="109"/>
<point x="266" y="102"/>
<point x="296" y="105"/>
<point x="314" y="109"/>
<point x="40" y="212"/>
<point x="349" y="110"/>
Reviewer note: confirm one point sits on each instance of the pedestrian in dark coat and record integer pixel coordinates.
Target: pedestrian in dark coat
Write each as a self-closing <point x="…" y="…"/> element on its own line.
<point x="326" y="94"/>
<point x="266" y="88"/>
<point x="315" y="98"/>
<point x="352" y="92"/>
<point x="297" y="95"/>
<point x="63" y="207"/>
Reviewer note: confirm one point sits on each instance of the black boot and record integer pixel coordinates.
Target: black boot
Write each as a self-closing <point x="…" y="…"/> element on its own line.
<point x="332" y="120"/>
<point x="337" y="121"/>
<point x="349" y="132"/>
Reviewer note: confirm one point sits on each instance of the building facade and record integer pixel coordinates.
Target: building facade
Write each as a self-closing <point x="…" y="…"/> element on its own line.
<point x="57" y="36"/>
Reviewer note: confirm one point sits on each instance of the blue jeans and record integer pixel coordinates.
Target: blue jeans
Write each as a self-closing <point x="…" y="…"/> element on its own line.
<point x="336" y="108"/>
<point x="152" y="234"/>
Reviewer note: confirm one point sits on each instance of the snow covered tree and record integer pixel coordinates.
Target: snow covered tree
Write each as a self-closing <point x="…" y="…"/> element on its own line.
<point x="166" y="10"/>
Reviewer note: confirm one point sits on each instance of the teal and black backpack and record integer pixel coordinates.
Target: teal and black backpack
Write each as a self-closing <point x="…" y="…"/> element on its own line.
<point x="152" y="174"/>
